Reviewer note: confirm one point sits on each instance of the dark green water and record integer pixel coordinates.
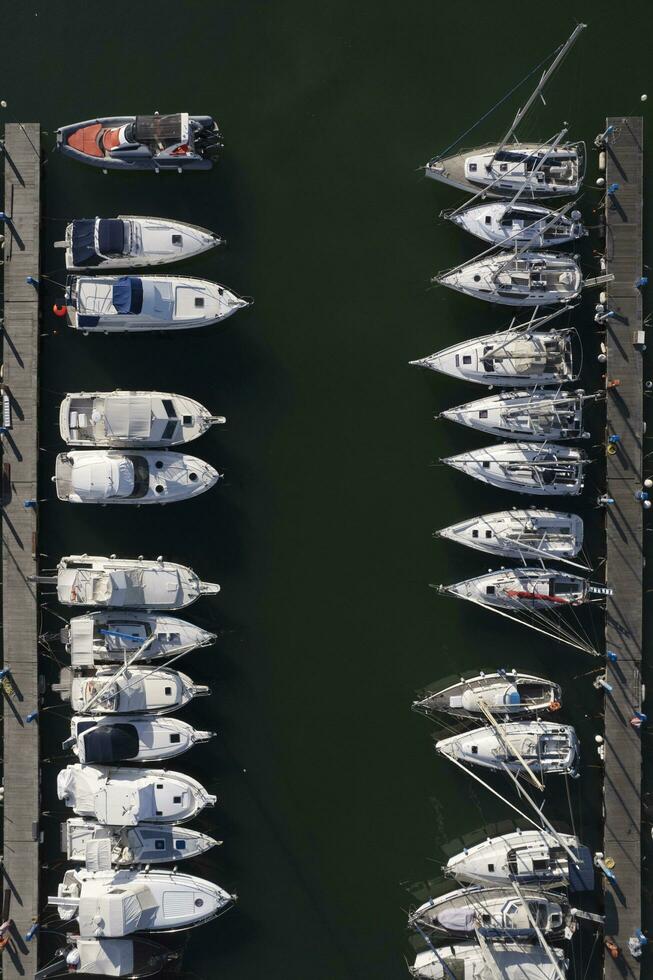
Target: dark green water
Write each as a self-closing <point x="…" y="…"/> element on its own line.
<point x="330" y="793"/>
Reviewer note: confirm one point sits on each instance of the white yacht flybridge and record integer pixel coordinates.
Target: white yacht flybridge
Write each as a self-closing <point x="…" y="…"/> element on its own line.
<point x="540" y="169"/>
<point x="526" y="857"/>
<point x="107" y="741"/>
<point x="505" y="694"/>
<point x="511" y="224"/>
<point x="122" y="797"/>
<point x="530" y="533"/>
<point x="524" y="355"/>
<point x="137" y="583"/>
<point x="519" y="278"/>
<point x="111" y="637"/>
<point x="522" y="747"/>
<point x="544" y="469"/>
<point x="136" y="477"/>
<point x="147" y="843"/>
<point x="132" y="690"/>
<point x="116" y="304"/>
<point x="129" y="241"/>
<point x="113" y="419"/>
<point x="473" y="961"/>
<point x="537" y="414"/>
<point x="119" y="903"/>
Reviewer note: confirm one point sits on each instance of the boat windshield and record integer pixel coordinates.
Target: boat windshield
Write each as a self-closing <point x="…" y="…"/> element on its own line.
<point x="141" y="476"/>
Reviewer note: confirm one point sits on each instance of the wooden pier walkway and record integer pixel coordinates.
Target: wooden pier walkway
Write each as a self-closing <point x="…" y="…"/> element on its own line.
<point x="19" y="549"/>
<point x="624" y="526"/>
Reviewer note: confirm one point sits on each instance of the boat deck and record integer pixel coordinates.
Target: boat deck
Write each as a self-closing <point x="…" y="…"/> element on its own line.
<point x="624" y="526"/>
<point x="20" y="863"/>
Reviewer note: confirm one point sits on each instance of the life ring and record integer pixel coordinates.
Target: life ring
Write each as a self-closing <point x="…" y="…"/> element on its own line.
<point x="59" y="310"/>
<point x="612" y="449"/>
<point x="555" y="706"/>
<point x="73" y="594"/>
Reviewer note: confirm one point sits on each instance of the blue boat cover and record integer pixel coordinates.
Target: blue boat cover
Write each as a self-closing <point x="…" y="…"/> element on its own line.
<point x="111" y="236"/>
<point x="83" y="242"/>
<point x="111" y="743"/>
<point x="128" y="295"/>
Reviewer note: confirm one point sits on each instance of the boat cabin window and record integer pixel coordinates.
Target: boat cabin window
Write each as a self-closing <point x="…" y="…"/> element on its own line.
<point x="159" y="845"/>
<point x="169" y="407"/>
<point x="168" y="691"/>
<point x="565" y="530"/>
<point x="169" y="430"/>
<point x="561" y="588"/>
<point x="475" y="533"/>
<point x="483" y="413"/>
<point x="490" y="867"/>
<point x="486" y="464"/>
<point x="177" y="239"/>
<point x="176" y="799"/>
<point x="473" y="167"/>
<point x="175" y="738"/>
<point x="488" y="534"/>
<point x="180" y="845"/>
<point x="467" y="358"/>
<point x="474" y="749"/>
<point x="187" y="420"/>
<point x="488" y="219"/>
<point x="141" y="476"/>
<point x="503" y="167"/>
<point x="540" y="864"/>
<point x="199" y="302"/>
<point x="490" y="590"/>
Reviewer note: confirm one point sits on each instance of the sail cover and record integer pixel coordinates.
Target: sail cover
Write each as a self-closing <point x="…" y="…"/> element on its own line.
<point x="457" y="920"/>
<point x="128" y="295"/>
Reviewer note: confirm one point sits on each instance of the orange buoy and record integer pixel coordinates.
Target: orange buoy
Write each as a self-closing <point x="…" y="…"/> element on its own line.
<point x="59" y="310"/>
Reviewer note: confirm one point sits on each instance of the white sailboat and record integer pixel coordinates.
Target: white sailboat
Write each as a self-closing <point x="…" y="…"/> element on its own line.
<point x="542" y="169"/>
<point x="469" y="961"/>
<point x="121" y="476"/>
<point x="543" y="469"/>
<point x="533" y="588"/>
<point x="126" y="797"/>
<point x="110" y="637"/>
<point x="535" y="748"/>
<point x="106" y="741"/>
<point x="147" y="843"/>
<point x="113" y="904"/>
<point x="133" y="690"/>
<point x="519" y="278"/>
<point x="506" y="694"/>
<point x="538" y="414"/>
<point x="129" y="241"/>
<point x="529" y="533"/>
<point x="511" y="224"/>
<point x="115" y="419"/>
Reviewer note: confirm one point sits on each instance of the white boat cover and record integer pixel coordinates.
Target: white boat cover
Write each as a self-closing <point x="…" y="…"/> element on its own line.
<point x="124" y="804"/>
<point x="103" y="478"/>
<point x="97" y="854"/>
<point x="128" y="418"/>
<point x="116" y="911"/>
<point x="106" y="957"/>
<point x="457" y="920"/>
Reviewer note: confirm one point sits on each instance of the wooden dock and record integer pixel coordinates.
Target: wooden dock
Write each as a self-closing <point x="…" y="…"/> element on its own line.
<point x="19" y="549"/>
<point x="624" y="527"/>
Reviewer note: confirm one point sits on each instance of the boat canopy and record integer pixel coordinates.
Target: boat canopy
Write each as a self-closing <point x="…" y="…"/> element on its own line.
<point x="457" y="920"/>
<point x="106" y="744"/>
<point x="94" y="238"/>
<point x="153" y="129"/>
<point x="127" y="296"/>
<point x="105" y="957"/>
<point x="121" y="908"/>
<point x="128" y="418"/>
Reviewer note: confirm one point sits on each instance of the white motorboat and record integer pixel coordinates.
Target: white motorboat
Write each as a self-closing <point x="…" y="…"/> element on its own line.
<point x="92" y="580"/>
<point x="119" y="903"/>
<point x="541" y="747"/>
<point x="498" y="913"/>
<point x="147" y="843"/>
<point x="522" y="356"/>
<point x="114" y="419"/>
<point x="110" y="637"/>
<point x="106" y="741"/>
<point x="527" y="278"/>
<point x="137" y="477"/>
<point x="511" y="224"/>
<point x="130" y="241"/>
<point x="522" y="534"/>
<point x="116" y="304"/>
<point x="469" y="961"/>
<point x="533" y="588"/>
<point x="506" y="693"/>
<point x="527" y="857"/>
<point x="130" y="958"/>
<point x="133" y="690"/>
<point x="535" y="169"/>
<point x="537" y="415"/>
<point x="545" y="469"/>
<point x="125" y="797"/>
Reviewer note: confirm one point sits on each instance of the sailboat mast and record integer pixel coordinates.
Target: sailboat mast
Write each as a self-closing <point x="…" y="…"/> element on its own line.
<point x="557" y="61"/>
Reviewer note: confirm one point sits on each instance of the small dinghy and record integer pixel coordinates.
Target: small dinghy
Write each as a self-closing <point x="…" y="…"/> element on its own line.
<point x="174" y="142"/>
<point x="522" y="534"/>
<point x="127" y="846"/>
<point x="538" y="415"/>
<point x="544" y="469"/>
<point x="126" y="797"/>
<point x="114" y="419"/>
<point x="524" y="356"/>
<point x="128" y="241"/>
<point x="507" y="694"/>
<point x="498" y="913"/>
<point x="119" y="903"/>
<point x="130" y="958"/>
<point x="536" y="170"/>
<point x="118" y="476"/>
<point x="539" y="747"/>
<point x="118" y="304"/>
<point x="91" y="580"/>
<point x="106" y="741"/>
<point x="472" y="961"/>
<point x="138" y="637"/>
<point x="513" y="224"/>
<point x="526" y="279"/>
<point x="527" y="857"/>
<point x="132" y="690"/>
<point x="534" y="588"/>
